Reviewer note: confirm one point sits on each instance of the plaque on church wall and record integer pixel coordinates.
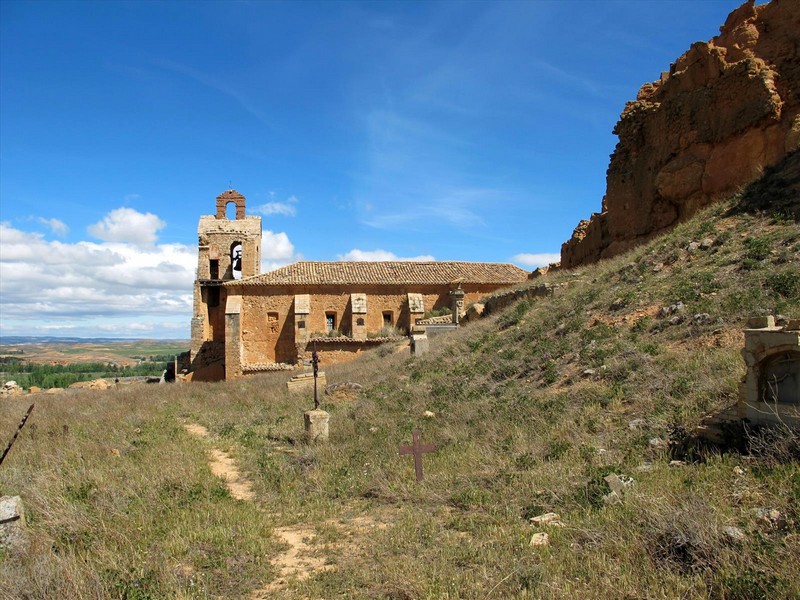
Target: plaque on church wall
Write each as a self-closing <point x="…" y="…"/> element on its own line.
<point x="416" y="304"/>
<point x="359" y="303"/>
<point x="302" y="304"/>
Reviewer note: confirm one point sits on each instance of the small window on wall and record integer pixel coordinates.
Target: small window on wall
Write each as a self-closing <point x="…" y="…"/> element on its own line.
<point x="272" y="322"/>
<point x="330" y="321"/>
<point x="360" y="322"/>
<point x="387" y="319"/>
<point x="213" y="267"/>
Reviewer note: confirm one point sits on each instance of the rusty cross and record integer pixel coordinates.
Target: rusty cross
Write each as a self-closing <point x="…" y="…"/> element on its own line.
<point x="315" y="363"/>
<point x="417" y="448"/>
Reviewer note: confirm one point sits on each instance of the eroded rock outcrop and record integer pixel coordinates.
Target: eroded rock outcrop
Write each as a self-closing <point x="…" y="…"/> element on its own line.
<point x="725" y="110"/>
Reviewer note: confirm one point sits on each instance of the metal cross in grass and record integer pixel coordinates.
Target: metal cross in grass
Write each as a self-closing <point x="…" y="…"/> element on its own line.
<point x="417" y="448"/>
<point x="315" y="363"/>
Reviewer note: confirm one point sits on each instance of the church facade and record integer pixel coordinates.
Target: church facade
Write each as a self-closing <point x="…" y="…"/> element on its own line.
<point x="246" y="322"/>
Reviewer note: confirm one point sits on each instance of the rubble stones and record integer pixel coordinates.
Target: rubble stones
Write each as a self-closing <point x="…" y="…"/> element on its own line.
<point x="618" y="485"/>
<point x="347" y="386"/>
<point x="637" y="424"/>
<point x="11" y="388"/>
<point x="733" y="533"/>
<point x="769" y="518"/>
<point x="540" y="539"/>
<point x="548" y="519"/>
<point x="672" y="309"/>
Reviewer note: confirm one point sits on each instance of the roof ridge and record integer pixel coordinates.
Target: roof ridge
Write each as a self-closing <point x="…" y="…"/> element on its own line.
<point x="394" y="272"/>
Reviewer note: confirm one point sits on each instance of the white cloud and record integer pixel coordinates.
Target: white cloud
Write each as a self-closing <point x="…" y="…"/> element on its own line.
<point x="56" y="226"/>
<point x="56" y="286"/>
<point x="276" y="246"/>
<point x="277" y="251"/>
<point x="380" y="255"/>
<point x="128" y="225"/>
<point x="276" y="208"/>
<point x="536" y="260"/>
<point x="444" y="207"/>
<point x="287" y="209"/>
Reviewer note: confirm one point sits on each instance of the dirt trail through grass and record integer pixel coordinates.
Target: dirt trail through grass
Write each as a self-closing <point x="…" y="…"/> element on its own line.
<point x="298" y="561"/>
<point x="224" y="467"/>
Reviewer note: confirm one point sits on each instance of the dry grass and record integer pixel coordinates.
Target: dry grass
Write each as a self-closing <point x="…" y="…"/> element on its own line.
<point x="534" y="407"/>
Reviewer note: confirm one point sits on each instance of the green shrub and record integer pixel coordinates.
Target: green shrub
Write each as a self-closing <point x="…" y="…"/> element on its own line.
<point x="784" y="283"/>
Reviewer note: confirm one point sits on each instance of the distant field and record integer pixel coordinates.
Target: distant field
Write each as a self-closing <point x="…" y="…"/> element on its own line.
<point x="122" y="352"/>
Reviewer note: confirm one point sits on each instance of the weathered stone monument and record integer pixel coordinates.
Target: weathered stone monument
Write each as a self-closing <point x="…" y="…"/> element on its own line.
<point x="12" y="521"/>
<point x="419" y="344"/>
<point x="317" y="425"/>
<point x="457" y="296"/>
<point x="770" y="391"/>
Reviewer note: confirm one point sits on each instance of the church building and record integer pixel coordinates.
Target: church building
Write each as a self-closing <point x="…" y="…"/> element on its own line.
<point x="246" y="322"/>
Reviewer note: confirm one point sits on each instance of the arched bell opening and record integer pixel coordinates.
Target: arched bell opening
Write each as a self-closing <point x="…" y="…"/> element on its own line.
<point x="236" y="259"/>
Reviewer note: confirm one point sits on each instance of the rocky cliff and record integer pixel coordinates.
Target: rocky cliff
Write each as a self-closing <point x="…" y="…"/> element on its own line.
<point x="725" y="110"/>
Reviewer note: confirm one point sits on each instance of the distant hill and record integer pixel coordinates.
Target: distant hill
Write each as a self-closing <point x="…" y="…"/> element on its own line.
<point x="27" y="339"/>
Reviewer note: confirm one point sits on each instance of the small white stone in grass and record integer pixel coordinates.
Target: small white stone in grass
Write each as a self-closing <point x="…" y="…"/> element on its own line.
<point x="540" y="539"/>
<point x="733" y="533"/>
<point x="428" y="414"/>
<point x="551" y="519"/>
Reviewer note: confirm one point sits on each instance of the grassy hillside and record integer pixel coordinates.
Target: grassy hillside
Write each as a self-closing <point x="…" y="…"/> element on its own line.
<point x="533" y="408"/>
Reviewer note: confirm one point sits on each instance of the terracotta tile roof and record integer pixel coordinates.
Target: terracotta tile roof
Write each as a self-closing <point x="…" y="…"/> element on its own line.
<point x="387" y="273"/>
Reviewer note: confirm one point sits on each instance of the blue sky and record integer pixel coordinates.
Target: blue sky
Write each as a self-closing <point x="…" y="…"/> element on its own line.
<point x="473" y="131"/>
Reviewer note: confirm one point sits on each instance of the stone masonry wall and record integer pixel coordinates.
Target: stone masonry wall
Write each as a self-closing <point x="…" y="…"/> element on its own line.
<point x="268" y="320"/>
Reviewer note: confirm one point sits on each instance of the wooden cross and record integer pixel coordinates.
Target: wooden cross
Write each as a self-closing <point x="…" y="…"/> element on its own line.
<point x="417" y="448"/>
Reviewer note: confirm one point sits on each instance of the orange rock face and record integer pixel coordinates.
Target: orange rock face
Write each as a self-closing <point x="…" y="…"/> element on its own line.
<point x="726" y="110"/>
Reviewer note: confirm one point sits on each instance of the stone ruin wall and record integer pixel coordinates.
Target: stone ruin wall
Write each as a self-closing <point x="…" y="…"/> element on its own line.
<point x="726" y="110"/>
<point x="215" y="238"/>
<point x="265" y="326"/>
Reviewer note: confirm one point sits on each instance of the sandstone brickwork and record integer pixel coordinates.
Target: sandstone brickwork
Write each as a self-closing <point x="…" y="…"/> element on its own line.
<point x="219" y="241"/>
<point x="246" y="322"/>
<point x="281" y="312"/>
<point x="726" y="109"/>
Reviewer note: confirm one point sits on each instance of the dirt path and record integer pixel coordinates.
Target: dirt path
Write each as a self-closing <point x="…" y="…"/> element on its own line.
<point x="297" y="563"/>
<point x="302" y="558"/>
<point x="224" y="467"/>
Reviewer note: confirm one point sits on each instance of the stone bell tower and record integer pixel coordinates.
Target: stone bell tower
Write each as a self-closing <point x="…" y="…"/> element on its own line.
<point x="228" y="249"/>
